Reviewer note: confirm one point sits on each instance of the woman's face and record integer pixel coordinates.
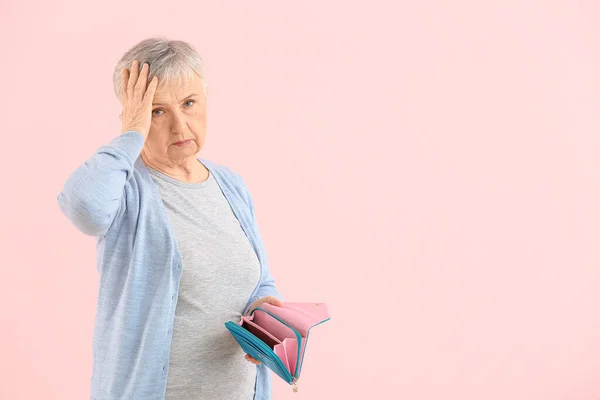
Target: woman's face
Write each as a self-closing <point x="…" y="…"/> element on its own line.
<point x="178" y="113"/>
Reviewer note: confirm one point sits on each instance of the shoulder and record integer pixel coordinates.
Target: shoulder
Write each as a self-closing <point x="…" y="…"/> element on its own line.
<point x="227" y="174"/>
<point x="230" y="177"/>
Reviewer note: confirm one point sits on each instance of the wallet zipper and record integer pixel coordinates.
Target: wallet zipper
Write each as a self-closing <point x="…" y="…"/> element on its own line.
<point x="294" y="382"/>
<point x="295" y="379"/>
<point x="298" y="337"/>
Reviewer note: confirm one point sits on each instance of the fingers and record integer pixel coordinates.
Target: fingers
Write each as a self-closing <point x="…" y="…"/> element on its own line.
<point x="268" y="299"/>
<point x="133" y="75"/>
<point x="273" y="300"/>
<point x="137" y="98"/>
<point x="123" y="88"/>
<point x="134" y="83"/>
<point x="140" y="85"/>
<point x="149" y="96"/>
<point x="252" y="360"/>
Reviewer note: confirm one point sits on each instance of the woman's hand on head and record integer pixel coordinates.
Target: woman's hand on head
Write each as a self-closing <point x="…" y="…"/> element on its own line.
<point x="136" y="98"/>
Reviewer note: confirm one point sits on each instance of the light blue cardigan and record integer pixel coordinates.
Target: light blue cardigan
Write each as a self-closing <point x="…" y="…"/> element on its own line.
<point x="111" y="196"/>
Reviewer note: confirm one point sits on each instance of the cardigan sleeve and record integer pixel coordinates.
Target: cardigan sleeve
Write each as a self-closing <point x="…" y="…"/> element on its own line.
<point x="267" y="284"/>
<point x="93" y="195"/>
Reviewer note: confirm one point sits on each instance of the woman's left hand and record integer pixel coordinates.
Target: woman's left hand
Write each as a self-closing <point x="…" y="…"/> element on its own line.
<point x="271" y="300"/>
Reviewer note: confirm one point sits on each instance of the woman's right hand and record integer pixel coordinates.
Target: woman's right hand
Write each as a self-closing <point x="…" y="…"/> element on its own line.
<point x="136" y="98"/>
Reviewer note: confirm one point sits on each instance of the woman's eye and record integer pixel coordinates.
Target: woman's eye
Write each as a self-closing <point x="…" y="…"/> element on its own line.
<point x="158" y="109"/>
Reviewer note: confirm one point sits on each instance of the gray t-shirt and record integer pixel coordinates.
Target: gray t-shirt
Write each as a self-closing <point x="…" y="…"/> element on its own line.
<point x="220" y="270"/>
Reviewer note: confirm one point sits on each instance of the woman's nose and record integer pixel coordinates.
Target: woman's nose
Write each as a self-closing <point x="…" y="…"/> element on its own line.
<point x="179" y="123"/>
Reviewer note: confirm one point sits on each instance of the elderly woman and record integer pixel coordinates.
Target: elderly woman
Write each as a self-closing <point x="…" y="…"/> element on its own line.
<point x="178" y="248"/>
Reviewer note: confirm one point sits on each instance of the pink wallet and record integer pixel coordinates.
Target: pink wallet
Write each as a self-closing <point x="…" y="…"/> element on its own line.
<point x="277" y="336"/>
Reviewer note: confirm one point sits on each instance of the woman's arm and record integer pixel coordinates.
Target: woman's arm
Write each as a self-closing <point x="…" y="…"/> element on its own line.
<point x="267" y="283"/>
<point x="92" y="197"/>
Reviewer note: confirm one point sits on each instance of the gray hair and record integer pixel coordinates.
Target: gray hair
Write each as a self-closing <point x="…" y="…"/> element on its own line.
<point x="168" y="60"/>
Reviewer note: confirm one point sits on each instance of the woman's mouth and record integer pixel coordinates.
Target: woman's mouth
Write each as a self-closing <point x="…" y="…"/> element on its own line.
<point x="183" y="143"/>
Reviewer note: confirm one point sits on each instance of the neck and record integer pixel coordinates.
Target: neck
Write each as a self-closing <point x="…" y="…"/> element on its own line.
<point x="187" y="170"/>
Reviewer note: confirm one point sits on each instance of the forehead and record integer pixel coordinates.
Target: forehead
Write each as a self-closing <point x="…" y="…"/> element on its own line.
<point x="177" y="89"/>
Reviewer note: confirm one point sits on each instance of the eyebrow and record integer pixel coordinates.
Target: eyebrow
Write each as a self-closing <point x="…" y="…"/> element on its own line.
<point x="191" y="95"/>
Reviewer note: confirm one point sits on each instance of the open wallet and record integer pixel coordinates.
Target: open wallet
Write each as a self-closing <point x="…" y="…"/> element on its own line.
<point x="277" y="335"/>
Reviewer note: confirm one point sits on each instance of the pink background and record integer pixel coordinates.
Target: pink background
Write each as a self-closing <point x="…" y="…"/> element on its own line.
<point x="441" y="158"/>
